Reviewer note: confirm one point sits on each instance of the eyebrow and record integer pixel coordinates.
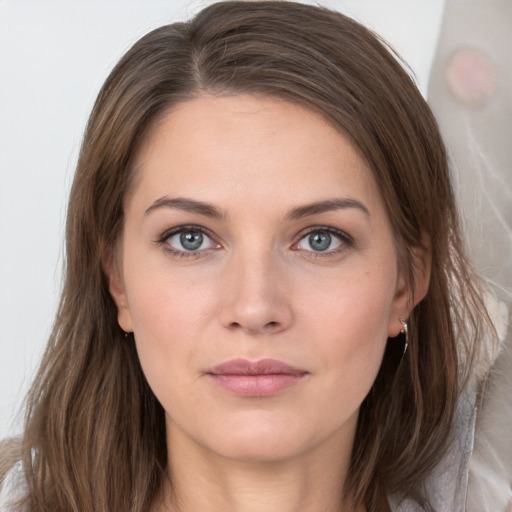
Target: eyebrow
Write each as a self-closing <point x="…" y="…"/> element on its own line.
<point x="328" y="205"/>
<point x="209" y="210"/>
<point x="188" y="205"/>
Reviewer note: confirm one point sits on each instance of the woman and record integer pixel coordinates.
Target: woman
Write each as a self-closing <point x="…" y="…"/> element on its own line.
<point x="267" y="305"/>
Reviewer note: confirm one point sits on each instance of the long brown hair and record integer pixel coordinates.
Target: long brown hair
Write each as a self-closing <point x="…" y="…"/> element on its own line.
<point x="95" y="433"/>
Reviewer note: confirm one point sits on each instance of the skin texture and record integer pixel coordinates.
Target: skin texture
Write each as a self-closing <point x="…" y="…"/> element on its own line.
<point x="257" y="289"/>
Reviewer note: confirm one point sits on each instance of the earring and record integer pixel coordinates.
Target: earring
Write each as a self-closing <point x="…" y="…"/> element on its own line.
<point x="405" y="333"/>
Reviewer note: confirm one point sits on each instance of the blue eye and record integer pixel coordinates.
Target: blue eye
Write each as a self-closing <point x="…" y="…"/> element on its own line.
<point x="188" y="240"/>
<point x="191" y="240"/>
<point x="322" y="240"/>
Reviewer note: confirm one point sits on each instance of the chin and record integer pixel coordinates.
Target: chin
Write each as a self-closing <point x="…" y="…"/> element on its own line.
<point x="261" y="448"/>
<point x="261" y="437"/>
<point x="256" y="438"/>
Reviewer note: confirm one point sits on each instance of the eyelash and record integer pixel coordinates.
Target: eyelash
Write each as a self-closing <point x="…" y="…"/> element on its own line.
<point x="346" y="241"/>
<point x="177" y="253"/>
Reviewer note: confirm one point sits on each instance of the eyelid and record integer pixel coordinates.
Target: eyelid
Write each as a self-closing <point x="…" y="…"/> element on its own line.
<point x="184" y="227"/>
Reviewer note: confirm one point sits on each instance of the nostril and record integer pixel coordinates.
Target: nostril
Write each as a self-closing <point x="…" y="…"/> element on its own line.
<point x="269" y="326"/>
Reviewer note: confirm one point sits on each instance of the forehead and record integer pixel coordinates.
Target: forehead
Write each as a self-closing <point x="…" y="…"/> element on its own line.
<point x="249" y="146"/>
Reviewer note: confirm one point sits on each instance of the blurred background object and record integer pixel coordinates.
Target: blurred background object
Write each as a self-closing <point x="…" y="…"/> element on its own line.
<point x="470" y="92"/>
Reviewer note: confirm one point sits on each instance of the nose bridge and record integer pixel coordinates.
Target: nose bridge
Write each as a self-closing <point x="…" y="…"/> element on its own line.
<point x="256" y="300"/>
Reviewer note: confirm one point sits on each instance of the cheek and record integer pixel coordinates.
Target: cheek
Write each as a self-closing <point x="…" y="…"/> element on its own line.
<point x="164" y="316"/>
<point x="162" y="302"/>
<point x="354" y="305"/>
<point x="349" y="323"/>
<point x="166" y="337"/>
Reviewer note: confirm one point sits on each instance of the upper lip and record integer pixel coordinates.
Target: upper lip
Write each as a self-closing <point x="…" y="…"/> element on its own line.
<point x="260" y="367"/>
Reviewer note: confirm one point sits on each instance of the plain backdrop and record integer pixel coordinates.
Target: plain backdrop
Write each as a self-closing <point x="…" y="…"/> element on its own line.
<point x="54" y="56"/>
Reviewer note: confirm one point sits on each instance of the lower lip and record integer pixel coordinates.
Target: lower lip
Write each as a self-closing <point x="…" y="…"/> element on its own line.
<point x="256" y="385"/>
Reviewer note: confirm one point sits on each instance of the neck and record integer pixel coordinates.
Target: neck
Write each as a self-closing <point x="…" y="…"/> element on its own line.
<point x="203" y="481"/>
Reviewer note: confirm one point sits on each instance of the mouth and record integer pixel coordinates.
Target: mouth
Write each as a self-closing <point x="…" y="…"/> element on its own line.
<point x="265" y="377"/>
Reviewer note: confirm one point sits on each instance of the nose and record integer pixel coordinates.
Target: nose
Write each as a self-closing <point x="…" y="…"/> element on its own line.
<point x="255" y="296"/>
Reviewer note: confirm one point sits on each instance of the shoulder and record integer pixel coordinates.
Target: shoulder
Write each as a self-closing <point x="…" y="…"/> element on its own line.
<point x="490" y="468"/>
<point x="477" y="469"/>
<point x="12" y="480"/>
<point x="475" y="473"/>
<point x="13" y="491"/>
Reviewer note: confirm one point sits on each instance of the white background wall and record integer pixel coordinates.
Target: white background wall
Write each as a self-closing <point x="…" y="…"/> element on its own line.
<point x="54" y="56"/>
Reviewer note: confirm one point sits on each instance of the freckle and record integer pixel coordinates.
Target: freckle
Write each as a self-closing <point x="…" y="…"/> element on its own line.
<point x="471" y="76"/>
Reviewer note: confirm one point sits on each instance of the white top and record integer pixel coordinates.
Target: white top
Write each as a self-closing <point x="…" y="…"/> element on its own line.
<point x="13" y="490"/>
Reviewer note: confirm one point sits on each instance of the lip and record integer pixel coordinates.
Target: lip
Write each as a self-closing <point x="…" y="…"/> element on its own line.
<point x="265" y="377"/>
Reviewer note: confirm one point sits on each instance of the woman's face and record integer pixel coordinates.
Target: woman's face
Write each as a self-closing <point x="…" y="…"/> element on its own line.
<point x="258" y="272"/>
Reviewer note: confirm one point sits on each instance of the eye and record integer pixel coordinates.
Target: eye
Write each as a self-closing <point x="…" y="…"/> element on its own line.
<point x="323" y="241"/>
<point x="188" y="240"/>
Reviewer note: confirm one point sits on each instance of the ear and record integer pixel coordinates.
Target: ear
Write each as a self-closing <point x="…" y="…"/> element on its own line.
<point x="114" y="271"/>
<point x="407" y="298"/>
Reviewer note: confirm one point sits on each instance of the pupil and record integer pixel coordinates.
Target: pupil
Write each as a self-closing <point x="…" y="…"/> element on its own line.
<point x="191" y="240"/>
<point x="320" y="241"/>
